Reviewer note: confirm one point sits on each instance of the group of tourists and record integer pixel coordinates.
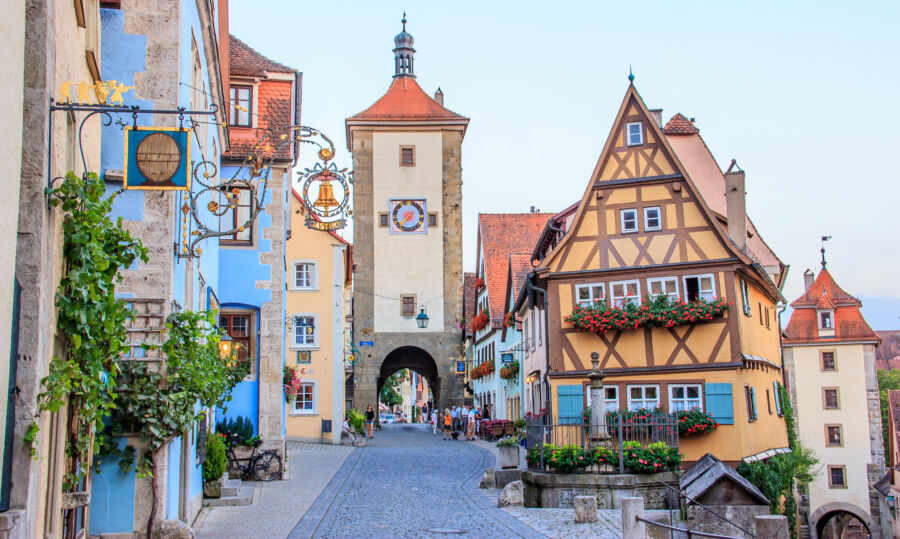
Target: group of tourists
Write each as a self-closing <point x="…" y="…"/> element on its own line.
<point x="459" y="420"/>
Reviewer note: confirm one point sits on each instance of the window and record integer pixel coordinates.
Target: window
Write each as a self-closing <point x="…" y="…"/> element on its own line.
<point x="625" y="292"/>
<point x="588" y="294"/>
<point x="635" y="134"/>
<point x="830" y="399"/>
<point x="238" y="325"/>
<point x="305" y="276"/>
<point x="643" y="397"/>
<point x="611" y="398"/>
<point x="432" y="219"/>
<point x="750" y="398"/>
<point x="837" y="477"/>
<point x="663" y="286"/>
<point x="768" y="401"/>
<point x="306" y="398"/>
<point x="652" y="219"/>
<point x="825" y="320"/>
<point x="684" y="397"/>
<point x="760" y="313"/>
<point x="767" y="318"/>
<point x="409" y="305"/>
<point x="776" y="389"/>
<point x="745" y="298"/>
<point x="236" y="218"/>
<point x="241" y="105"/>
<point x="383" y="219"/>
<point x="828" y="361"/>
<point x="629" y="221"/>
<point x="305" y="333"/>
<point x="833" y="436"/>
<point x="699" y="287"/>
<point x="407" y="156"/>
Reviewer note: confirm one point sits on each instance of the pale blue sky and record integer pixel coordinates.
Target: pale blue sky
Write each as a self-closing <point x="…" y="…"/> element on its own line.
<point x="804" y="95"/>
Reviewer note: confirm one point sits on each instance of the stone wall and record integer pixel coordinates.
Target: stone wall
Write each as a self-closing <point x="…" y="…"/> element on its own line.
<point x="742" y="515"/>
<point x="550" y="490"/>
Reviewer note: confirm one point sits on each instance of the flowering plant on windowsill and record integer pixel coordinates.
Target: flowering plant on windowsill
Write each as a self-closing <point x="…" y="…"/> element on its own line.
<point x="510" y="371"/>
<point x="655" y="313"/>
<point x="509" y="320"/>
<point x="482" y="370"/>
<point x="695" y="421"/>
<point x="479" y="284"/>
<point x="290" y="384"/>
<point x="481" y="320"/>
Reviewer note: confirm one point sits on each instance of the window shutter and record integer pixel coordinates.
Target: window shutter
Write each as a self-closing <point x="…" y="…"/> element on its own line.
<point x="719" y="403"/>
<point x="753" y="402"/>
<point x="571" y="403"/>
<point x="776" y="386"/>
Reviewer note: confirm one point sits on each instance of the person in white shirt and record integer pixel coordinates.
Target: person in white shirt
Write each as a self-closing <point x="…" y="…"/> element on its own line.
<point x="434" y="421"/>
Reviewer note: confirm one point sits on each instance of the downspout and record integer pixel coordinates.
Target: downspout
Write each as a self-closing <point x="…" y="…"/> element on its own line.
<point x="532" y="289"/>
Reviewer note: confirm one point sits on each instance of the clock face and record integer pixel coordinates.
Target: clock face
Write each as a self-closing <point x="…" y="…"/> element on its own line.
<point x="408" y="216"/>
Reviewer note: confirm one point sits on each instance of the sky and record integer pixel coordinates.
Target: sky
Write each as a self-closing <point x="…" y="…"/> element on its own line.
<point x="802" y="94"/>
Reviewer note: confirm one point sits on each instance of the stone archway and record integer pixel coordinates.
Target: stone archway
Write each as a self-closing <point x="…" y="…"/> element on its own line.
<point x="823" y="514"/>
<point x="413" y="358"/>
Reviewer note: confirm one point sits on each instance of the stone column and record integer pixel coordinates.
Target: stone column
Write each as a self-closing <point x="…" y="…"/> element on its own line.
<point x="771" y="526"/>
<point x="598" y="433"/>
<point x="631" y="527"/>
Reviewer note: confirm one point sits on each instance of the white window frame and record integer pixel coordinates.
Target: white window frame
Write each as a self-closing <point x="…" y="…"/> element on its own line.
<point x="590" y="288"/>
<point x="662" y="281"/>
<point x="612" y="404"/>
<point x="625" y="299"/>
<point x="315" y="343"/>
<point x="647" y="226"/>
<point x="643" y="399"/>
<point x="622" y="218"/>
<point x="314" y="281"/>
<point x="830" y="314"/>
<point x="685" y="400"/>
<point x="700" y="293"/>
<point x="315" y="399"/>
<point x="639" y="132"/>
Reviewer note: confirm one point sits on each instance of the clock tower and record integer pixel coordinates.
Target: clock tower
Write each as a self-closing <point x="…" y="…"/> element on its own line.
<point x="407" y="235"/>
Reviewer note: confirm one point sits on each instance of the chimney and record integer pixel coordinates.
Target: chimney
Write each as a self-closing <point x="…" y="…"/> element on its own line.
<point x="736" y="207"/>
<point x="532" y="209"/>
<point x="808" y="278"/>
<point x="657" y="115"/>
<point x="439" y="96"/>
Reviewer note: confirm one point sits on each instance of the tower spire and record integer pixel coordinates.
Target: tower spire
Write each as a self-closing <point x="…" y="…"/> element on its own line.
<point x="824" y="239"/>
<point x="403" y="52"/>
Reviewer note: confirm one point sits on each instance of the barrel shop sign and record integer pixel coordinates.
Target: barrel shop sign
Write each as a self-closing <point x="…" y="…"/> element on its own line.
<point x="157" y="158"/>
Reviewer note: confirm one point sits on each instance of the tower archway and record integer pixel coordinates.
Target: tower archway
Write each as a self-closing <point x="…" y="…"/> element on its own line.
<point x="415" y="359"/>
<point x="843" y="512"/>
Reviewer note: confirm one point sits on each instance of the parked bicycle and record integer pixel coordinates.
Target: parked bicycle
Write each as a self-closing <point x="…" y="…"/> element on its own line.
<point x="265" y="465"/>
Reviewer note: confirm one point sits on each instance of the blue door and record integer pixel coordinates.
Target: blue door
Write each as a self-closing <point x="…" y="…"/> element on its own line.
<point x="571" y="403"/>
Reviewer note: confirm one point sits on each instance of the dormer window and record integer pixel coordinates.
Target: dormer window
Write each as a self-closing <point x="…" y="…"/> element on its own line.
<point x="635" y="133"/>
<point x="825" y="320"/>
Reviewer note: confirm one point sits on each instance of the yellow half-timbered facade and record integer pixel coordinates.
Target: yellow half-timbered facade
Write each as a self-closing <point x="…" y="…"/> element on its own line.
<point x="643" y="229"/>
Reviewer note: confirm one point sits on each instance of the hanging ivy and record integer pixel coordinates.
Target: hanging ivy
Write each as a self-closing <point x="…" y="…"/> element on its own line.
<point x="95" y="249"/>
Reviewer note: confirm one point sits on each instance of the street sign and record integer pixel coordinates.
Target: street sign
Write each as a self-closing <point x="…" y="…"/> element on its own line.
<point x="506" y="357"/>
<point x="367" y="343"/>
<point x="460" y="367"/>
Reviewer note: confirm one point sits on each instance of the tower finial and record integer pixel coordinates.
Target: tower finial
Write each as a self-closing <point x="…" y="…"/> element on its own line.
<point x="404" y="20"/>
<point x="630" y="74"/>
<point x="403" y="52"/>
<point x="824" y="239"/>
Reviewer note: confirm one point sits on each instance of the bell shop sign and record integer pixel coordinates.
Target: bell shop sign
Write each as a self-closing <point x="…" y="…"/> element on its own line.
<point x="157" y="158"/>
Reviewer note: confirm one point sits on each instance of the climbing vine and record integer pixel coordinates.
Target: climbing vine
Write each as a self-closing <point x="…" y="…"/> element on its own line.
<point x="95" y="249"/>
<point x="160" y="401"/>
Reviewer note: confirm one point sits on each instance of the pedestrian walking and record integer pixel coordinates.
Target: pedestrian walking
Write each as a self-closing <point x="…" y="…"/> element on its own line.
<point x="370" y="421"/>
<point x="463" y="417"/>
<point x="478" y="421"/>
<point x="470" y="431"/>
<point x="454" y="416"/>
<point x="447" y="423"/>
<point x="434" y="422"/>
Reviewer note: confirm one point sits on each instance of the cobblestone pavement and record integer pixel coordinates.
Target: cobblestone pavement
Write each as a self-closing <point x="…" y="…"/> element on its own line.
<point x="277" y="506"/>
<point x="409" y="483"/>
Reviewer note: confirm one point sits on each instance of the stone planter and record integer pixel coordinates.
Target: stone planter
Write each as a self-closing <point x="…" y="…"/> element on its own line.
<point x="509" y="457"/>
<point x="213" y="489"/>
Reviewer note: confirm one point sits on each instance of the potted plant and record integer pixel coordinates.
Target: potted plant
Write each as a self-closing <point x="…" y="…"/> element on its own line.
<point x="214" y="467"/>
<point x="509" y="452"/>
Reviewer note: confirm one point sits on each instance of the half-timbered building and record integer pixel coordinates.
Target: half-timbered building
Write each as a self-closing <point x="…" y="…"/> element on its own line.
<point x="643" y="229"/>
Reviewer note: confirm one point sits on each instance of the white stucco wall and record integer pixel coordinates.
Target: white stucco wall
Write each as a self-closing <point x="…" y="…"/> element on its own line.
<point x="853" y="417"/>
<point x="407" y="263"/>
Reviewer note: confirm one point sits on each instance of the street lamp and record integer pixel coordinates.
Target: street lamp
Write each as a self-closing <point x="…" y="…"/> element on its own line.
<point x="422" y="319"/>
<point x="225" y="346"/>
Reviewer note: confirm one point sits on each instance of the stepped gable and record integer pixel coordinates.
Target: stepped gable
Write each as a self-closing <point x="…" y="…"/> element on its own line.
<point x="406" y="100"/>
<point x="246" y="61"/>
<point x="501" y="234"/>
<point x="849" y="324"/>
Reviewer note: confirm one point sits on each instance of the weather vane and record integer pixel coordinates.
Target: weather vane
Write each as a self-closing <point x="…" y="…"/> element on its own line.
<point x="824" y="239"/>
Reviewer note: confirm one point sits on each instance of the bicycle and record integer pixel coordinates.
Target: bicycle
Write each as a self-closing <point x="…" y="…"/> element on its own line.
<point x="266" y="465"/>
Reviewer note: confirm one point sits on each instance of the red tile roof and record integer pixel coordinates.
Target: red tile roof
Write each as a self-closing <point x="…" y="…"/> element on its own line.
<point x="405" y="99"/>
<point x="849" y="324"/>
<point x="246" y="61"/>
<point x="468" y="300"/>
<point x="500" y="235"/>
<point x="520" y="267"/>
<point x="887" y="354"/>
<point x="680" y="125"/>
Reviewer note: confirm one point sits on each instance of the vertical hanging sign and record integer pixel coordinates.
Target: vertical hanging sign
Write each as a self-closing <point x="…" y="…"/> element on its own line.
<point x="157" y="158"/>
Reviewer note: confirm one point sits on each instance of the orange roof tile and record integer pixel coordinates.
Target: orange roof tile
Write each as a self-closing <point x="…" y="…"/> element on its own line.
<point x="405" y="100"/>
<point x="500" y="235"/>
<point x="246" y="61"/>
<point x="519" y="267"/>
<point x="849" y="324"/>
<point x="680" y="125"/>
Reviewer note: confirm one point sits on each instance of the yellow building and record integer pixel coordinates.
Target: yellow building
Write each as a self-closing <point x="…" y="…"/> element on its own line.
<point x="829" y="354"/>
<point x="319" y="268"/>
<point x="645" y="228"/>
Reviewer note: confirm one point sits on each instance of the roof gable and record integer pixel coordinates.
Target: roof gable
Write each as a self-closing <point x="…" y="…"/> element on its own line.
<point x="244" y="60"/>
<point x="709" y="471"/>
<point x="405" y="100"/>
<point x="824" y="293"/>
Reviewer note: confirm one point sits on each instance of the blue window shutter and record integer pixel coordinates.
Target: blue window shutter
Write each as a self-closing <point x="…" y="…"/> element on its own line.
<point x="571" y="403"/>
<point x="719" y="403"/>
<point x="753" y="402"/>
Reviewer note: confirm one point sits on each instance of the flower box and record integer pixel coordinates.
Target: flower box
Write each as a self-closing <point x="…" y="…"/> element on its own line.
<point x="660" y="312"/>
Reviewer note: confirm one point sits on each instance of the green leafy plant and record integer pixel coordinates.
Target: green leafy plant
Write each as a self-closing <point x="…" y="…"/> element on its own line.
<point x="659" y="312"/>
<point x="240" y="428"/>
<point x="508" y="441"/>
<point x="637" y="458"/>
<point x="216" y="460"/>
<point x="519" y="423"/>
<point x="390" y="395"/>
<point x="510" y="371"/>
<point x="650" y="458"/>
<point x="95" y="249"/>
<point x="695" y="421"/>
<point x="357" y="420"/>
<point x="481" y="320"/>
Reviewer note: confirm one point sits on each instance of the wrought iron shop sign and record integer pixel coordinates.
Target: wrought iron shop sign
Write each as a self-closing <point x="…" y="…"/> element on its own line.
<point x="330" y="210"/>
<point x="157" y="158"/>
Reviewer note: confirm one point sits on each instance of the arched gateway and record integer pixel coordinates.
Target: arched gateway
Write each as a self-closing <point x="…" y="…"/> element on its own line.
<point x="407" y="236"/>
